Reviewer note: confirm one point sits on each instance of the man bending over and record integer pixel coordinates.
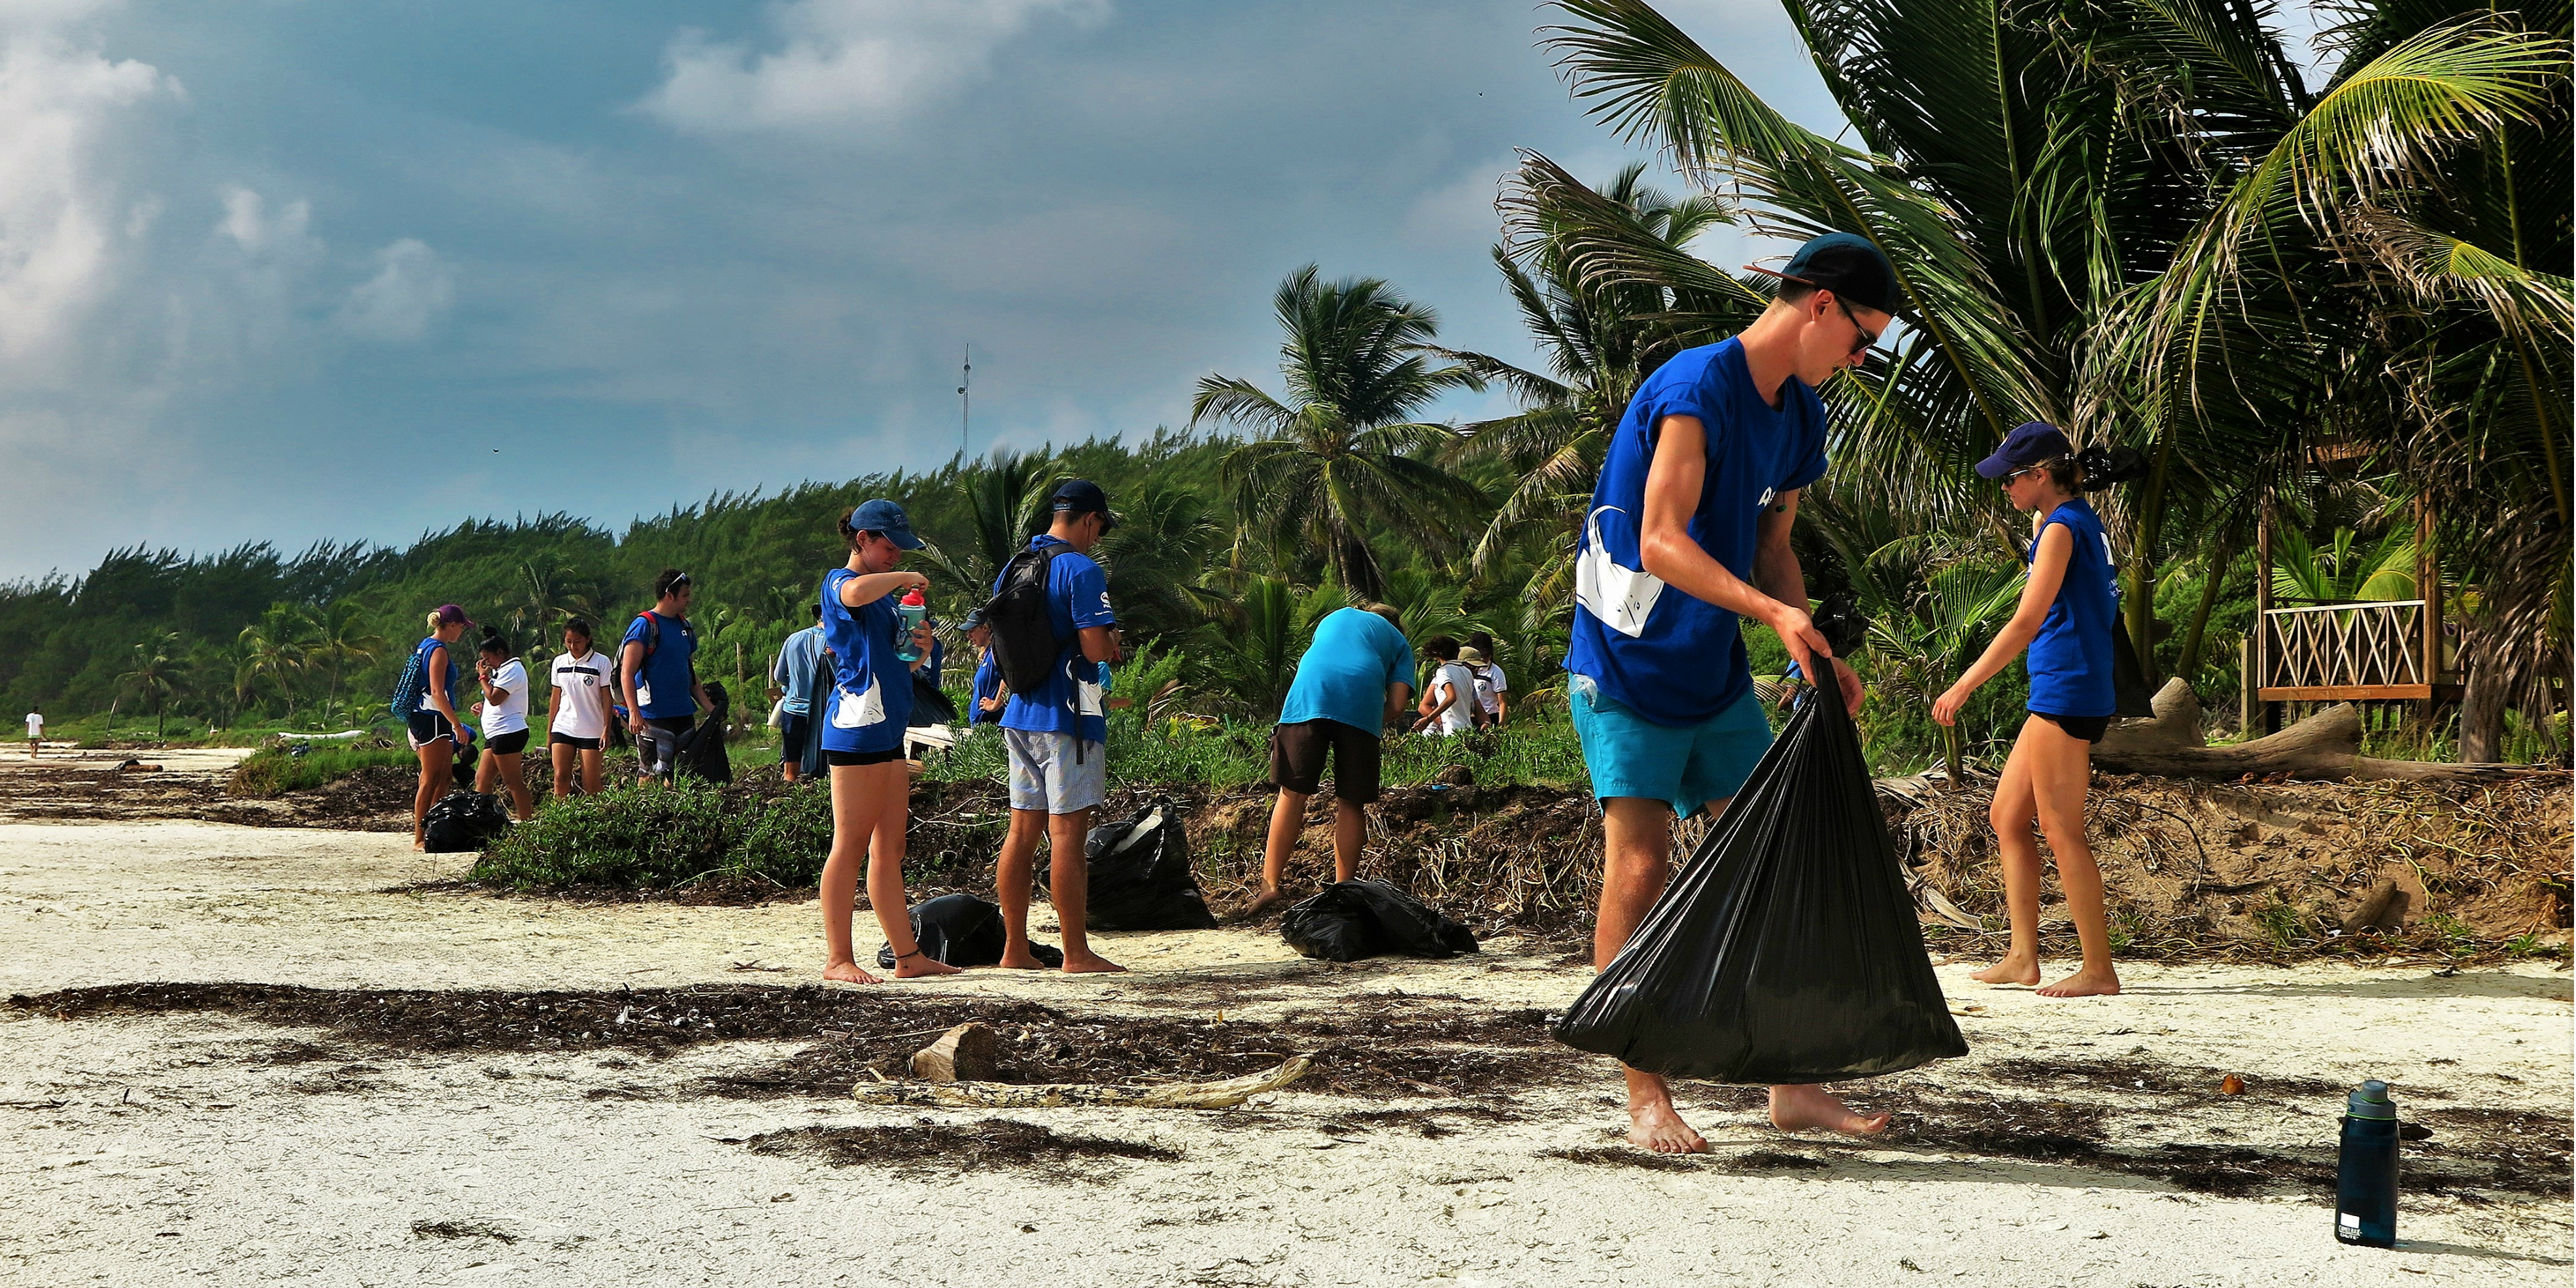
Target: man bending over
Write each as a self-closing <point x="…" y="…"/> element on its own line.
<point x="1355" y="676"/>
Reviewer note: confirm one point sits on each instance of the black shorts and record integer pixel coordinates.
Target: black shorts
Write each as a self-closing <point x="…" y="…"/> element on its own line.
<point x="793" y="730"/>
<point x="428" y="726"/>
<point x="831" y="757"/>
<point x="2088" y="728"/>
<point x="567" y="740"/>
<point x="1297" y="759"/>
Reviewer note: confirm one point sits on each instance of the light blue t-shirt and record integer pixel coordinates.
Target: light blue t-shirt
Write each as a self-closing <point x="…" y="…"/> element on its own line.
<point x="1687" y="664"/>
<point x="871" y="697"/>
<point x="794" y="674"/>
<point x="2070" y="658"/>
<point x="1344" y="675"/>
<point x="1077" y="598"/>
<point x="667" y="675"/>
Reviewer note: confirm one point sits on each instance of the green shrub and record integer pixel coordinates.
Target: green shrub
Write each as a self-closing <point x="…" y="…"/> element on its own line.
<point x="787" y="837"/>
<point x="632" y="836"/>
<point x="275" y="771"/>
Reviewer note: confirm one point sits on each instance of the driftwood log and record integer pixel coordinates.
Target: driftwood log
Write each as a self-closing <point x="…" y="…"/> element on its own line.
<point x="2325" y="745"/>
<point x="1007" y="1095"/>
<point x="967" y="1053"/>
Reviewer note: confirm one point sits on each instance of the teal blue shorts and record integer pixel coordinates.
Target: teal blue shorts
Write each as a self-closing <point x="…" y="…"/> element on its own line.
<point x="1630" y="755"/>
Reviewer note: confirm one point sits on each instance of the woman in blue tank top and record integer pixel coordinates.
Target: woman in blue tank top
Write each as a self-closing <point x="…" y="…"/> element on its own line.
<point x="2069" y="608"/>
<point x="426" y="702"/>
<point x="860" y="726"/>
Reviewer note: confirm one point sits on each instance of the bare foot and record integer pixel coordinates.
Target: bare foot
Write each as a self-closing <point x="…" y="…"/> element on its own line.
<point x="1021" y="960"/>
<point x="1260" y="903"/>
<point x="848" y="973"/>
<point x="2011" y="970"/>
<point x="1090" y="964"/>
<point x="420" y="845"/>
<point x="920" y="965"/>
<point x="1811" y="1108"/>
<point x="1653" y="1125"/>
<point x="2085" y="983"/>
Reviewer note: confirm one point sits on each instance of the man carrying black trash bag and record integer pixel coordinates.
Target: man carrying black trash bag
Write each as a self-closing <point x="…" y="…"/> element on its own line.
<point x="1687" y="533"/>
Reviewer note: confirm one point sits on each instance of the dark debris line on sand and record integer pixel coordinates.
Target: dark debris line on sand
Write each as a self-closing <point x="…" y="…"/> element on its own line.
<point x="930" y="1148"/>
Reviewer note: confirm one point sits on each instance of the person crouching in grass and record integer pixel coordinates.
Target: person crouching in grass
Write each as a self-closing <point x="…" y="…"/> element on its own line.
<point x="2069" y="608"/>
<point x="505" y="722"/>
<point x="861" y="723"/>
<point x="425" y="702"/>
<point x="1355" y="677"/>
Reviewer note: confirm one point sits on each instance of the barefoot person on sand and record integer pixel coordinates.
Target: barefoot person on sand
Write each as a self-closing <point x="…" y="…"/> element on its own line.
<point x="1688" y="531"/>
<point x="861" y="723"/>
<point x="1355" y="677"/>
<point x="425" y="701"/>
<point x="2069" y="608"/>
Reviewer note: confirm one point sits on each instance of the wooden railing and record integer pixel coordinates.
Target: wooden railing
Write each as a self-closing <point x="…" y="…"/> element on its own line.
<point x="2364" y="651"/>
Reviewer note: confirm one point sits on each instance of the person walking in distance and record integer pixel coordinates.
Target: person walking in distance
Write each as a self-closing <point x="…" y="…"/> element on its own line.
<point x="35" y="733"/>
<point x="2069" y="608"/>
<point x="861" y="728"/>
<point x="1688" y="532"/>
<point x="425" y="701"/>
<point x="1056" y="733"/>
<point x="1493" y="689"/>
<point x="658" y="675"/>
<point x="792" y="679"/>
<point x="577" y="714"/>
<point x="505" y="722"/>
<point x="1356" y="676"/>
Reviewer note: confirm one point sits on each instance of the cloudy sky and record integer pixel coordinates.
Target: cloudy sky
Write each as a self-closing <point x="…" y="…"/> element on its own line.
<point x="294" y="269"/>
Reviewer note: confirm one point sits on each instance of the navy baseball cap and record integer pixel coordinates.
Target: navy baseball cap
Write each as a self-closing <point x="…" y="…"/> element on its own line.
<point x="2030" y="443"/>
<point x="974" y="618"/>
<point x="888" y="518"/>
<point x="1082" y="496"/>
<point x="1849" y="265"/>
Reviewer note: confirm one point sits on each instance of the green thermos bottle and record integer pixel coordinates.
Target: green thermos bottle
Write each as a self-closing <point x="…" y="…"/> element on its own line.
<point x="2366" y="1169"/>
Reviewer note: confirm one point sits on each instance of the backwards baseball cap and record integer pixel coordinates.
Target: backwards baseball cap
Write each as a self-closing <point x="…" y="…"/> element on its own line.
<point x="451" y="615"/>
<point x="1082" y="496"/>
<point x="1849" y="265"/>
<point x="886" y="519"/>
<point x="2030" y="443"/>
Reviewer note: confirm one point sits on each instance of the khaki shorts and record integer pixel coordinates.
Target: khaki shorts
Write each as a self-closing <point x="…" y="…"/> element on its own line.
<point x="1053" y="772"/>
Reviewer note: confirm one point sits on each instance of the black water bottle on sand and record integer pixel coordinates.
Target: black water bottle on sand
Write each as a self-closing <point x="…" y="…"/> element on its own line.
<point x="2366" y="1171"/>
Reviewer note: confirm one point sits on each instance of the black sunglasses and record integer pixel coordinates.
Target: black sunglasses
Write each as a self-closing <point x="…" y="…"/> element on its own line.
<point x="1866" y="337"/>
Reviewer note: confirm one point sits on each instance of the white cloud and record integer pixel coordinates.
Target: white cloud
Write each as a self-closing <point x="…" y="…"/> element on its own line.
<point x="63" y="214"/>
<point x="843" y="62"/>
<point x="411" y="288"/>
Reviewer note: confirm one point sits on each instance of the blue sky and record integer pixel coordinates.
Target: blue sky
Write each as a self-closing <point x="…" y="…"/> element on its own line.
<point x="293" y="269"/>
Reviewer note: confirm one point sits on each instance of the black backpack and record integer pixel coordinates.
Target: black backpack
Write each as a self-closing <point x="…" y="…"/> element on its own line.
<point x="1024" y="642"/>
<point x="464" y="820"/>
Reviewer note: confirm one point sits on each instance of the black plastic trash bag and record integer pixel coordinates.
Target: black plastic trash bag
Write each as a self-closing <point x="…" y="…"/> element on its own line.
<point x="930" y="704"/>
<point x="1787" y="950"/>
<point x="1349" y="920"/>
<point x="462" y="821"/>
<point x="1140" y="874"/>
<point x="963" y="931"/>
<point x="702" y="749"/>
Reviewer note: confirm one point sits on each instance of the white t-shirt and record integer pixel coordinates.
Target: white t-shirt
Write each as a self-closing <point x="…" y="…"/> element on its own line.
<point x="511" y="716"/>
<point x="1461" y="714"/>
<point x="582" y="686"/>
<point x="35" y="725"/>
<point x="1489" y="684"/>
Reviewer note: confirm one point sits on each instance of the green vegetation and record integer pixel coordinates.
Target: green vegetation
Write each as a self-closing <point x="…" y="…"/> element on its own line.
<point x="275" y="771"/>
<point x="2136" y="221"/>
<point x="632" y="836"/>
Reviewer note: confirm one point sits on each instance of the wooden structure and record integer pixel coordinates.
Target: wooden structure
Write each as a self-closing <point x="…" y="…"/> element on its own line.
<point x="2354" y="651"/>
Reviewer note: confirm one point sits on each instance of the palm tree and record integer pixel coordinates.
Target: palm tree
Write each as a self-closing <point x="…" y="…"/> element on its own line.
<point x="340" y="637"/>
<point x="1251" y="652"/>
<point x="1343" y="455"/>
<point x="276" y="648"/>
<point x="154" y="676"/>
<point x="1006" y="497"/>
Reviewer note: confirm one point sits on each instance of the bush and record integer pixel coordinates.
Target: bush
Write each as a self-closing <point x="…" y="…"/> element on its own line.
<point x="275" y="771"/>
<point x="632" y="836"/>
<point x="788" y="836"/>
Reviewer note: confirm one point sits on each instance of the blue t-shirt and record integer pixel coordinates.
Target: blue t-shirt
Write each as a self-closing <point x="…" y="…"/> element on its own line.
<point x="1686" y="663"/>
<point x="794" y="673"/>
<point x="1077" y="598"/>
<point x="420" y="654"/>
<point x="988" y="681"/>
<point x="2070" y="658"/>
<point x="668" y="686"/>
<point x="1344" y="675"/>
<point x="871" y="696"/>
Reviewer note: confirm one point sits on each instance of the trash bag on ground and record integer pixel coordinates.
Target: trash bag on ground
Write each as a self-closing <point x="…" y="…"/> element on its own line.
<point x="1140" y="874"/>
<point x="702" y="749"/>
<point x="462" y="821"/>
<point x="963" y="931"/>
<point x="1786" y="950"/>
<point x="1349" y="920"/>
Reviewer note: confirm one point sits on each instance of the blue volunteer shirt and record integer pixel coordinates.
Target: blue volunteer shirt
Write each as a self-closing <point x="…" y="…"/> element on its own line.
<point x="1687" y="664"/>
<point x="988" y="681"/>
<point x="667" y="676"/>
<point x="794" y="674"/>
<point x="2070" y="658"/>
<point x="871" y="697"/>
<point x="1077" y="598"/>
<point x="1344" y="675"/>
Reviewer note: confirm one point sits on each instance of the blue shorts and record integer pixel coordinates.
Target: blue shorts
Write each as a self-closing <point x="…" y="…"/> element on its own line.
<point x="1630" y="755"/>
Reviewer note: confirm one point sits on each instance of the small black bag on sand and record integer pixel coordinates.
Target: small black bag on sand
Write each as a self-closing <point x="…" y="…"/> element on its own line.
<point x="462" y="821"/>
<point x="963" y="931"/>
<point x="1349" y="920"/>
<point x="1140" y="874"/>
<point x="1787" y="950"/>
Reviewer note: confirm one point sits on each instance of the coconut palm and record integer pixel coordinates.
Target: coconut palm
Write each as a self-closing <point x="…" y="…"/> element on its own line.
<point x="1343" y="456"/>
<point x="1251" y="651"/>
<point x="340" y="637"/>
<point x="274" y="649"/>
<point x="154" y="676"/>
<point x="1006" y="496"/>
